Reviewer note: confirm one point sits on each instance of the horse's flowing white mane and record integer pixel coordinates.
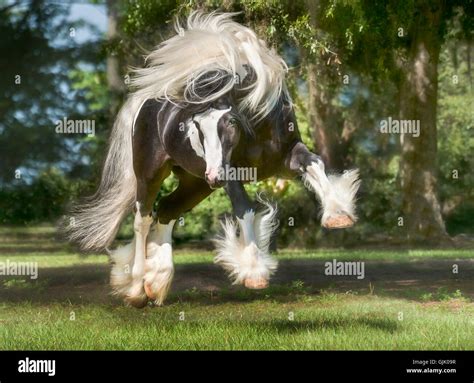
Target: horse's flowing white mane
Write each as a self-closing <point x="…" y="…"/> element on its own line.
<point x="212" y="42"/>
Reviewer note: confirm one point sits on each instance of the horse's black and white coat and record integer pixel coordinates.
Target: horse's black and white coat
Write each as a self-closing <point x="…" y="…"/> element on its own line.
<point x="213" y="96"/>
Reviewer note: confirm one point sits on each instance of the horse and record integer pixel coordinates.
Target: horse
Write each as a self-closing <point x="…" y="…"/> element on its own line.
<point x="212" y="97"/>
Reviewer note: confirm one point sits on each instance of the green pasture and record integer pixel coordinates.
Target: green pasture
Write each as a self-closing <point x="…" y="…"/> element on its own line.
<point x="407" y="300"/>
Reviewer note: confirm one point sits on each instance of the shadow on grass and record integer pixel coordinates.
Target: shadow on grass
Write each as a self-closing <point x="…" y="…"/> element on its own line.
<point x="207" y="284"/>
<point x="292" y="327"/>
<point x="317" y="322"/>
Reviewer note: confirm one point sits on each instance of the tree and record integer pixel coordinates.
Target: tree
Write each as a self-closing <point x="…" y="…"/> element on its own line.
<point x="406" y="37"/>
<point x="115" y="80"/>
<point x="36" y="59"/>
<point x="418" y="102"/>
<point x="332" y="134"/>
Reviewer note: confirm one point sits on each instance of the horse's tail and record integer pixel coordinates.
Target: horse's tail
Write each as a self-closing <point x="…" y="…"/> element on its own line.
<point x="94" y="223"/>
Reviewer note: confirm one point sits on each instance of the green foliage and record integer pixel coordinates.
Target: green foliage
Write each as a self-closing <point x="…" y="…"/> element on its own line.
<point x="146" y="16"/>
<point x="456" y="138"/>
<point x="44" y="200"/>
<point x="93" y="86"/>
<point x="35" y="87"/>
<point x="203" y="222"/>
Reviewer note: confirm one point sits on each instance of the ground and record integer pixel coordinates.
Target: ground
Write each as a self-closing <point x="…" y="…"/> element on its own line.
<point x="407" y="300"/>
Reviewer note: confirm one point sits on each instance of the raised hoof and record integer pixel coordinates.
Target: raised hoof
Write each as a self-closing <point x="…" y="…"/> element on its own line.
<point x="338" y="222"/>
<point x="256" y="284"/>
<point x="138" y="302"/>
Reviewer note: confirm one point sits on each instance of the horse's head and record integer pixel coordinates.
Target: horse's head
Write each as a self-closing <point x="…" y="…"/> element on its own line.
<point x="216" y="134"/>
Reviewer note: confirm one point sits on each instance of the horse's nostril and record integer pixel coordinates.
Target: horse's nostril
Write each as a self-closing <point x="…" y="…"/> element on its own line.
<point x="209" y="180"/>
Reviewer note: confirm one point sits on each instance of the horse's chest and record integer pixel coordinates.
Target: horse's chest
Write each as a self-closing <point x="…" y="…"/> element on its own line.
<point x="265" y="154"/>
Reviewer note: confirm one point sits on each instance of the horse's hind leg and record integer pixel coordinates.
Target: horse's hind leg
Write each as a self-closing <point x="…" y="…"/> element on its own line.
<point x="159" y="263"/>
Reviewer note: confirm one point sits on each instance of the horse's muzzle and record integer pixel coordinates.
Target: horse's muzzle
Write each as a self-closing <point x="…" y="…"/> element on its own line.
<point x="215" y="183"/>
<point x="214" y="178"/>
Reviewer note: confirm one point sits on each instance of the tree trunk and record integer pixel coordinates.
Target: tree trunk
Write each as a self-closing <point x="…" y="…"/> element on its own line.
<point x="331" y="141"/>
<point x="418" y="102"/>
<point x="317" y="116"/>
<point x="115" y="81"/>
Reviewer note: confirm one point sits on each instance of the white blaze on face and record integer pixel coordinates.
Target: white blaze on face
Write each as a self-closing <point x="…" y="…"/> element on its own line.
<point x="193" y="135"/>
<point x="212" y="150"/>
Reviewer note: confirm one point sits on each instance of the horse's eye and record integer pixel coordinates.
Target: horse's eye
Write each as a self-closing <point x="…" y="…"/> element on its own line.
<point x="233" y="121"/>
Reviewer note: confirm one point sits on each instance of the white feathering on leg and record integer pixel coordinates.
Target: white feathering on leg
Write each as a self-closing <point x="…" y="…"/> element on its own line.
<point x="265" y="224"/>
<point x="159" y="268"/>
<point x="337" y="192"/>
<point x="346" y="186"/>
<point x="248" y="261"/>
<point x="121" y="273"/>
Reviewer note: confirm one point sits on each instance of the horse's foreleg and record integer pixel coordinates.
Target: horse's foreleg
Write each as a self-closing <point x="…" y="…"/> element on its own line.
<point x="159" y="269"/>
<point x="336" y="193"/>
<point x="159" y="264"/>
<point x="143" y="220"/>
<point x="146" y="194"/>
<point x="246" y="257"/>
<point x="128" y="267"/>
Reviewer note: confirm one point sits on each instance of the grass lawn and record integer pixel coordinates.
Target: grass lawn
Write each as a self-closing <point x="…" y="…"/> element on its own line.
<point x="407" y="300"/>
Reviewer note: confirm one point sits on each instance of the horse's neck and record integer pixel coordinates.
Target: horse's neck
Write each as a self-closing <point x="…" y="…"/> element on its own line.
<point x="280" y="124"/>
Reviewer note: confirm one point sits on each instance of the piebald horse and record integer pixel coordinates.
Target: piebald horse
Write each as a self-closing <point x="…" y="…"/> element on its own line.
<point x="212" y="97"/>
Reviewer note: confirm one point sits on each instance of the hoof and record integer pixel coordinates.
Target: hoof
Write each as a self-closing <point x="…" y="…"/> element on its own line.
<point x="338" y="222"/>
<point x="138" y="302"/>
<point x="148" y="291"/>
<point x="256" y="284"/>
